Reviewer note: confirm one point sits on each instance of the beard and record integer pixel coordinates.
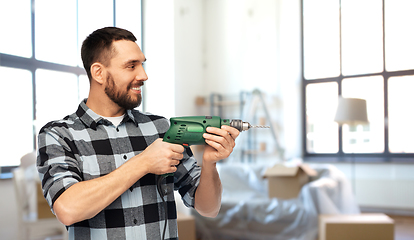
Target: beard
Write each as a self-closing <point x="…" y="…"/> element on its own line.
<point x="119" y="97"/>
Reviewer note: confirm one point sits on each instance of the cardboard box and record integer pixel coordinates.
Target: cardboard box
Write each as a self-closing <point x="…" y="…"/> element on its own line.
<point x="287" y="181"/>
<point x="43" y="209"/>
<point x="376" y="226"/>
<point x="186" y="227"/>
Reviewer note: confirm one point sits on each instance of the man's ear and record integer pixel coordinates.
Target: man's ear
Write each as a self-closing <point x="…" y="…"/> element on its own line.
<point x="97" y="72"/>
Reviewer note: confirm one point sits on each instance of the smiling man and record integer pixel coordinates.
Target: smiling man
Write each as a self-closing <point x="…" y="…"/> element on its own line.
<point x="100" y="166"/>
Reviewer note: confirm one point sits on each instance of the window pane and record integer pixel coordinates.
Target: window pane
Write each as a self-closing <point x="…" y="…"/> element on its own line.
<point x="55" y="26"/>
<point x="368" y="138"/>
<point x="56" y="96"/>
<point x="92" y="15"/>
<point x="321" y="130"/>
<point x="321" y="38"/>
<point x="361" y="36"/>
<point x="128" y="16"/>
<point x="17" y="111"/>
<point x="399" y="36"/>
<point x="400" y="119"/>
<point x="16" y="24"/>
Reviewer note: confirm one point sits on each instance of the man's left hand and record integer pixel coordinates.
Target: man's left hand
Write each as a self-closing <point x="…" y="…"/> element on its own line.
<point x="220" y="143"/>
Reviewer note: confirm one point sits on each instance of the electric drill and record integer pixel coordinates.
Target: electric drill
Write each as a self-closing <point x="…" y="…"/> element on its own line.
<point x="189" y="130"/>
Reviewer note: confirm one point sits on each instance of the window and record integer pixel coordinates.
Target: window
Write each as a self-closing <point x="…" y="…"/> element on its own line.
<point x="358" y="49"/>
<point x="40" y="66"/>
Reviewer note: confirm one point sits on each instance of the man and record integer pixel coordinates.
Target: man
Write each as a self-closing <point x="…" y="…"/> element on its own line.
<point x="100" y="166"/>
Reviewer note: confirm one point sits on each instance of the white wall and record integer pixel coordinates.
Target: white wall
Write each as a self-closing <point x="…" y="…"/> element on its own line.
<point x="189" y="54"/>
<point x="241" y="45"/>
<point x="173" y="45"/>
<point x="256" y="45"/>
<point x="385" y="186"/>
<point x="158" y="47"/>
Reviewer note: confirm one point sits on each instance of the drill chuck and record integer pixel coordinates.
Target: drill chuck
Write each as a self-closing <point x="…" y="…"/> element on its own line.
<point x="240" y="125"/>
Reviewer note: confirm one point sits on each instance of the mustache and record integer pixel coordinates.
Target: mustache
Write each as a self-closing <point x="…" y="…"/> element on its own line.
<point x="139" y="84"/>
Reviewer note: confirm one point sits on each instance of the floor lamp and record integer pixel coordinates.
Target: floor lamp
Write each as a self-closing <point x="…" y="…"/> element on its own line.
<point x="351" y="111"/>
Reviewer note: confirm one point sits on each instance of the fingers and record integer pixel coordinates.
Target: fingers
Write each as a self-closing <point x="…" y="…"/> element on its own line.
<point x="176" y="156"/>
<point x="162" y="157"/>
<point x="173" y="167"/>
<point x="234" y="133"/>
<point x="222" y="140"/>
<point x="177" y="148"/>
<point x="225" y="136"/>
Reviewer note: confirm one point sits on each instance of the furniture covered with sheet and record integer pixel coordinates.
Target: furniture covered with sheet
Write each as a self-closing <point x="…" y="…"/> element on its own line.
<point x="248" y="213"/>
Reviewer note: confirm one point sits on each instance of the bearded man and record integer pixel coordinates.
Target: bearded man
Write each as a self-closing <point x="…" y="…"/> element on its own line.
<point x="101" y="165"/>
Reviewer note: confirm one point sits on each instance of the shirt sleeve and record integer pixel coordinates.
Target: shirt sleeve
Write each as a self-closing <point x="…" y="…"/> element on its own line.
<point x="56" y="163"/>
<point x="187" y="178"/>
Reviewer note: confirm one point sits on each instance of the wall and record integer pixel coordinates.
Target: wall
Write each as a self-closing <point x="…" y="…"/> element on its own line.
<point x="385" y="187"/>
<point x="158" y="47"/>
<point x="256" y="45"/>
<point x="241" y="46"/>
<point x="189" y="54"/>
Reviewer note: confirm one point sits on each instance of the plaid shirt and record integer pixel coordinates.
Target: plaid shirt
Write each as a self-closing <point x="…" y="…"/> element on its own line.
<point x="85" y="146"/>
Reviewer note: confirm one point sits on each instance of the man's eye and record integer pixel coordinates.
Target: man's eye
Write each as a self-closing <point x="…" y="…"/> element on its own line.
<point x="132" y="66"/>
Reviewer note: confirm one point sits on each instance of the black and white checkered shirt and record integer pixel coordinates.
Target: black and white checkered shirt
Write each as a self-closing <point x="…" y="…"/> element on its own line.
<point x="85" y="146"/>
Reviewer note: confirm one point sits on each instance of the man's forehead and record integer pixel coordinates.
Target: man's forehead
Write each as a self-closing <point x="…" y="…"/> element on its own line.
<point x="125" y="45"/>
<point x="128" y="49"/>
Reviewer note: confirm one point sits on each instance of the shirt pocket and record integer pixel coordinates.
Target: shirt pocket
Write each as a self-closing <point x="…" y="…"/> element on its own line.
<point x="94" y="167"/>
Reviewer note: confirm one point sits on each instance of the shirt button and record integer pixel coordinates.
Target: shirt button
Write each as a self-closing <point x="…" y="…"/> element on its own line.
<point x="135" y="221"/>
<point x="117" y="129"/>
<point x="125" y="157"/>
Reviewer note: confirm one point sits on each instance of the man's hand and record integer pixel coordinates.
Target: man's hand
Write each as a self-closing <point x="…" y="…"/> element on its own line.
<point x="161" y="157"/>
<point x="220" y="143"/>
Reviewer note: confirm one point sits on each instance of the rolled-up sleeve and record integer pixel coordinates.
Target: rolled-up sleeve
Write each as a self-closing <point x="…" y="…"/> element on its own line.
<point x="56" y="163"/>
<point x="187" y="178"/>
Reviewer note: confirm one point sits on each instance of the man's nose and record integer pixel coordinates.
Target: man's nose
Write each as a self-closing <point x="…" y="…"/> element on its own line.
<point x="142" y="75"/>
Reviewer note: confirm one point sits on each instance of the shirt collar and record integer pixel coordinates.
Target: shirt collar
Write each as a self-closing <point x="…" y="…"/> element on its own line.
<point x="131" y="116"/>
<point x="92" y="119"/>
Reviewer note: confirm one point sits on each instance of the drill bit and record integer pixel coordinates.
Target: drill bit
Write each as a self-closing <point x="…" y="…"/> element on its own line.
<point x="259" y="126"/>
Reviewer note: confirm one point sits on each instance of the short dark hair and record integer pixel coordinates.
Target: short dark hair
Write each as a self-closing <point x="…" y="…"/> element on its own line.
<point x="97" y="47"/>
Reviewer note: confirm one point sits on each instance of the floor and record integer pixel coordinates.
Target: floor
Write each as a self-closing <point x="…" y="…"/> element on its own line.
<point x="404" y="226"/>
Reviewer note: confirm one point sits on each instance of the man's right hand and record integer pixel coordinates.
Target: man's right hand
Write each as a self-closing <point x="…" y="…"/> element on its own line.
<point x="161" y="157"/>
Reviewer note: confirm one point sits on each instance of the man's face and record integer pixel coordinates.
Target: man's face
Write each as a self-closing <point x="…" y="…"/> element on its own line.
<point x="126" y="75"/>
<point x="120" y="96"/>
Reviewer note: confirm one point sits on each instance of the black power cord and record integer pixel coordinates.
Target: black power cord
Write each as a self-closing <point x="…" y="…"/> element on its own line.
<point x="162" y="195"/>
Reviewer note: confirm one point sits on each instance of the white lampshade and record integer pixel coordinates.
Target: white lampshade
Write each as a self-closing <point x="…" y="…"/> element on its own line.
<point x="351" y="111"/>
